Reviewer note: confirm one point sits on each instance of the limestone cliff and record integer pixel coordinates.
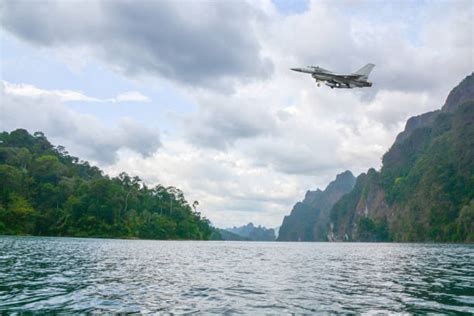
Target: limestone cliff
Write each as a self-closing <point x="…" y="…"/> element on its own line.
<point x="309" y="219"/>
<point x="425" y="188"/>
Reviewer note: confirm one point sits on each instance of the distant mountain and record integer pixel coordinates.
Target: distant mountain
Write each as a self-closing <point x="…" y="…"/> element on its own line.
<point x="222" y="234"/>
<point x="425" y="188"/>
<point x="254" y="233"/>
<point x="309" y="219"/>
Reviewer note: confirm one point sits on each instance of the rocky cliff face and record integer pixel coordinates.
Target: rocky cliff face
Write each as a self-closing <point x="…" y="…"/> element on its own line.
<point x="309" y="219"/>
<point x="425" y="189"/>
<point x="416" y="122"/>
<point x="462" y="93"/>
<point x="366" y="200"/>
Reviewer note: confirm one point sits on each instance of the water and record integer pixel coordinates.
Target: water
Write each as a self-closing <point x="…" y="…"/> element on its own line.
<point x="94" y="275"/>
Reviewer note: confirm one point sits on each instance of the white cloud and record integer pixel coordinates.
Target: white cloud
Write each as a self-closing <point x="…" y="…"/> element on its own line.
<point x="27" y="90"/>
<point x="31" y="91"/>
<point x="132" y="96"/>
<point x="25" y="106"/>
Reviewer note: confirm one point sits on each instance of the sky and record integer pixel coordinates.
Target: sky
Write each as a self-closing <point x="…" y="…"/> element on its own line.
<point x="199" y="95"/>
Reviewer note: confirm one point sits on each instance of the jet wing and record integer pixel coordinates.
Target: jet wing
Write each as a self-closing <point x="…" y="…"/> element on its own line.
<point x="344" y="79"/>
<point x="351" y="76"/>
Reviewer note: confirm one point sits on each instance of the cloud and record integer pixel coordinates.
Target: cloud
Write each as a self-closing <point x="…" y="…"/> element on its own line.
<point x="199" y="44"/>
<point x="31" y="91"/>
<point x="132" y="96"/>
<point x="221" y="121"/>
<point x="25" y="106"/>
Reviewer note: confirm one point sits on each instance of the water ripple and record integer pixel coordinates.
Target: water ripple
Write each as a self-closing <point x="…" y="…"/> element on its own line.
<point x="130" y="276"/>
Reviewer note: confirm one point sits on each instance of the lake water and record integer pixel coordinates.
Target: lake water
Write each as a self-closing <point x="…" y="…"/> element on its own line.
<point x="96" y="275"/>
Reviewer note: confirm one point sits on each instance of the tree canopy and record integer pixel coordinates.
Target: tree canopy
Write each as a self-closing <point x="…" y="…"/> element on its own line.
<point x="44" y="191"/>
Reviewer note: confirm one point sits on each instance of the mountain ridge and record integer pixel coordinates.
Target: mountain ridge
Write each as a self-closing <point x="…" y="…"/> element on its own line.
<point x="425" y="188"/>
<point x="252" y="232"/>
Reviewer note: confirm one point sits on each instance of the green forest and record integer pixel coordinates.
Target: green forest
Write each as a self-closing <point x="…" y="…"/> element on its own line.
<point x="44" y="191"/>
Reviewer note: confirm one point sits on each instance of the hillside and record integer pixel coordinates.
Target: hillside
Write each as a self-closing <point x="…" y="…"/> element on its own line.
<point x="425" y="188"/>
<point x="46" y="192"/>
<point x="309" y="219"/>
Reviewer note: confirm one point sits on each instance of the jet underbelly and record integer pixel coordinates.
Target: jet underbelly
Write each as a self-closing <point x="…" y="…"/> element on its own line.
<point x="322" y="77"/>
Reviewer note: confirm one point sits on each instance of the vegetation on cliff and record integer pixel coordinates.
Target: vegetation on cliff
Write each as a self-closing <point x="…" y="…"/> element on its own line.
<point x="434" y="187"/>
<point x="425" y="188"/>
<point x="309" y="219"/>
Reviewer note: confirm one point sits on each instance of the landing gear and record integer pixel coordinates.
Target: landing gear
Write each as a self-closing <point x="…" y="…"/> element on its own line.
<point x="318" y="84"/>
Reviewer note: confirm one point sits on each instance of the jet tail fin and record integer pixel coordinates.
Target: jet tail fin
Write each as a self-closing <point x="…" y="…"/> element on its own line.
<point x="365" y="71"/>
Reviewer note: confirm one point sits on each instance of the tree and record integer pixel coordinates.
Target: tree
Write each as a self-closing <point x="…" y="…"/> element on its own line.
<point x="195" y="205"/>
<point x="47" y="168"/>
<point x="44" y="191"/>
<point x="10" y="182"/>
<point x="18" y="217"/>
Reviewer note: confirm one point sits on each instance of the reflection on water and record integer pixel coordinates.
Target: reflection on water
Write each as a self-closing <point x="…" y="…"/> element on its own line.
<point x="82" y="275"/>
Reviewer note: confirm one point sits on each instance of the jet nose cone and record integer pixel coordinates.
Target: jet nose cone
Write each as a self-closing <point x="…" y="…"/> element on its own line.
<point x="295" y="69"/>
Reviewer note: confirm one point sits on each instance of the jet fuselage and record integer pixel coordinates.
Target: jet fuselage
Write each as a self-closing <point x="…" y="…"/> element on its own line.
<point x="333" y="80"/>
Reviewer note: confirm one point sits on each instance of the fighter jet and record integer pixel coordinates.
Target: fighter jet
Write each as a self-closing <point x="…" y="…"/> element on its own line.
<point x="357" y="79"/>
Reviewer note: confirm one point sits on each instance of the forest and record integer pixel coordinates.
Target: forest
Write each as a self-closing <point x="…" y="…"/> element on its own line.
<point x="44" y="191"/>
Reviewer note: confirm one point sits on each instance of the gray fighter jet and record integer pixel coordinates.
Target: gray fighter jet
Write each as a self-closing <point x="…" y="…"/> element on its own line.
<point x="357" y="79"/>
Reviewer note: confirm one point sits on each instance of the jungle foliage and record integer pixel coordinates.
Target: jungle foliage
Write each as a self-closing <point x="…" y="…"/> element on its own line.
<point x="45" y="191"/>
